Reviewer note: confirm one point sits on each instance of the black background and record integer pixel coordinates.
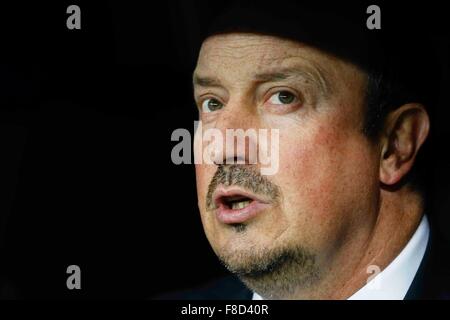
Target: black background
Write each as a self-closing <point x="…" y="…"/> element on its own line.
<point x="86" y="118"/>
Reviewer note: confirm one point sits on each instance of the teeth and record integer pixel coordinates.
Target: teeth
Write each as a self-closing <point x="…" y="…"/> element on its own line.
<point x="240" y="204"/>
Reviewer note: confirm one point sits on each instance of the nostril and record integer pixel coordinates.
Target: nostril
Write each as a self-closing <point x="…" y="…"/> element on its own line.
<point x="229" y="160"/>
<point x="234" y="160"/>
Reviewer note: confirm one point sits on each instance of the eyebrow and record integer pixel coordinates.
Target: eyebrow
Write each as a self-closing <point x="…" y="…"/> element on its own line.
<point x="313" y="75"/>
<point x="206" y="81"/>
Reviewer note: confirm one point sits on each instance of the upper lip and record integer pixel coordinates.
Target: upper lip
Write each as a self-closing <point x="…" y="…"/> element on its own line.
<point x="222" y="193"/>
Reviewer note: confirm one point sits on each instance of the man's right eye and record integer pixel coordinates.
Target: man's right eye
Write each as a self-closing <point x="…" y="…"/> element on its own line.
<point x="210" y="105"/>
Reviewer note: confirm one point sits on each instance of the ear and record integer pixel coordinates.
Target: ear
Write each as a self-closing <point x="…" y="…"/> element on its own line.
<point x="405" y="131"/>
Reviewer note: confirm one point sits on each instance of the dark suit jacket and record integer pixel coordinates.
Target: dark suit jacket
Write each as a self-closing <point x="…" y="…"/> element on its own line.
<point x="432" y="280"/>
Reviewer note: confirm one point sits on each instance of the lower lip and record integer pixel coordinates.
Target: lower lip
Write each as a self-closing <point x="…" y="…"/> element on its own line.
<point x="230" y="216"/>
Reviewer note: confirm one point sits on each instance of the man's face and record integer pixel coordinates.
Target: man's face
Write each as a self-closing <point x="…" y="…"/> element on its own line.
<point x="319" y="205"/>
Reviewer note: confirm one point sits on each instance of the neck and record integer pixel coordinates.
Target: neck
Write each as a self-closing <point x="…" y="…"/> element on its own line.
<point x="398" y="217"/>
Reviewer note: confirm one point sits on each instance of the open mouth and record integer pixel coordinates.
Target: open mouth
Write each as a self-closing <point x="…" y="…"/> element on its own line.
<point x="234" y="205"/>
<point x="235" y="202"/>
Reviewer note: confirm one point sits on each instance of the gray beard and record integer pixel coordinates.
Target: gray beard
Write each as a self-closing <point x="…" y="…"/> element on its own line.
<point x="274" y="274"/>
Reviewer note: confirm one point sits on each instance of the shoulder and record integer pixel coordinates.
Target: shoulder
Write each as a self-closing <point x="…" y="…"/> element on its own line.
<point x="432" y="280"/>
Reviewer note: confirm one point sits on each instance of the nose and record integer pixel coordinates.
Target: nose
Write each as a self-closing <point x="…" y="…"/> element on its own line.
<point x="228" y="160"/>
<point x="238" y="125"/>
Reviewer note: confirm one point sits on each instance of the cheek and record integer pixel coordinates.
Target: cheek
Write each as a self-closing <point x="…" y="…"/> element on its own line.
<point x="323" y="172"/>
<point x="203" y="176"/>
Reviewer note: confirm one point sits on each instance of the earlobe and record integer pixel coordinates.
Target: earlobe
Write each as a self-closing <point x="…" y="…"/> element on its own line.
<point x="405" y="132"/>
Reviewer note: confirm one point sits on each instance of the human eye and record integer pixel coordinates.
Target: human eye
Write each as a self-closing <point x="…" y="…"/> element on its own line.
<point x="283" y="97"/>
<point x="281" y="100"/>
<point x="210" y="105"/>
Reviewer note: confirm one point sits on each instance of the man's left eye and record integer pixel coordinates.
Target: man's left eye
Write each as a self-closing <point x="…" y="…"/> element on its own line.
<point x="282" y="97"/>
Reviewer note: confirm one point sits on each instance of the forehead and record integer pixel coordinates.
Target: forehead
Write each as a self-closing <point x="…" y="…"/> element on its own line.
<point x="235" y="60"/>
<point x="245" y="45"/>
<point x="241" y="53"/>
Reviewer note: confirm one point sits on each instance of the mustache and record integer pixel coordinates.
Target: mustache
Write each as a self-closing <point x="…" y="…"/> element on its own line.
<point x="244" y="176"/>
